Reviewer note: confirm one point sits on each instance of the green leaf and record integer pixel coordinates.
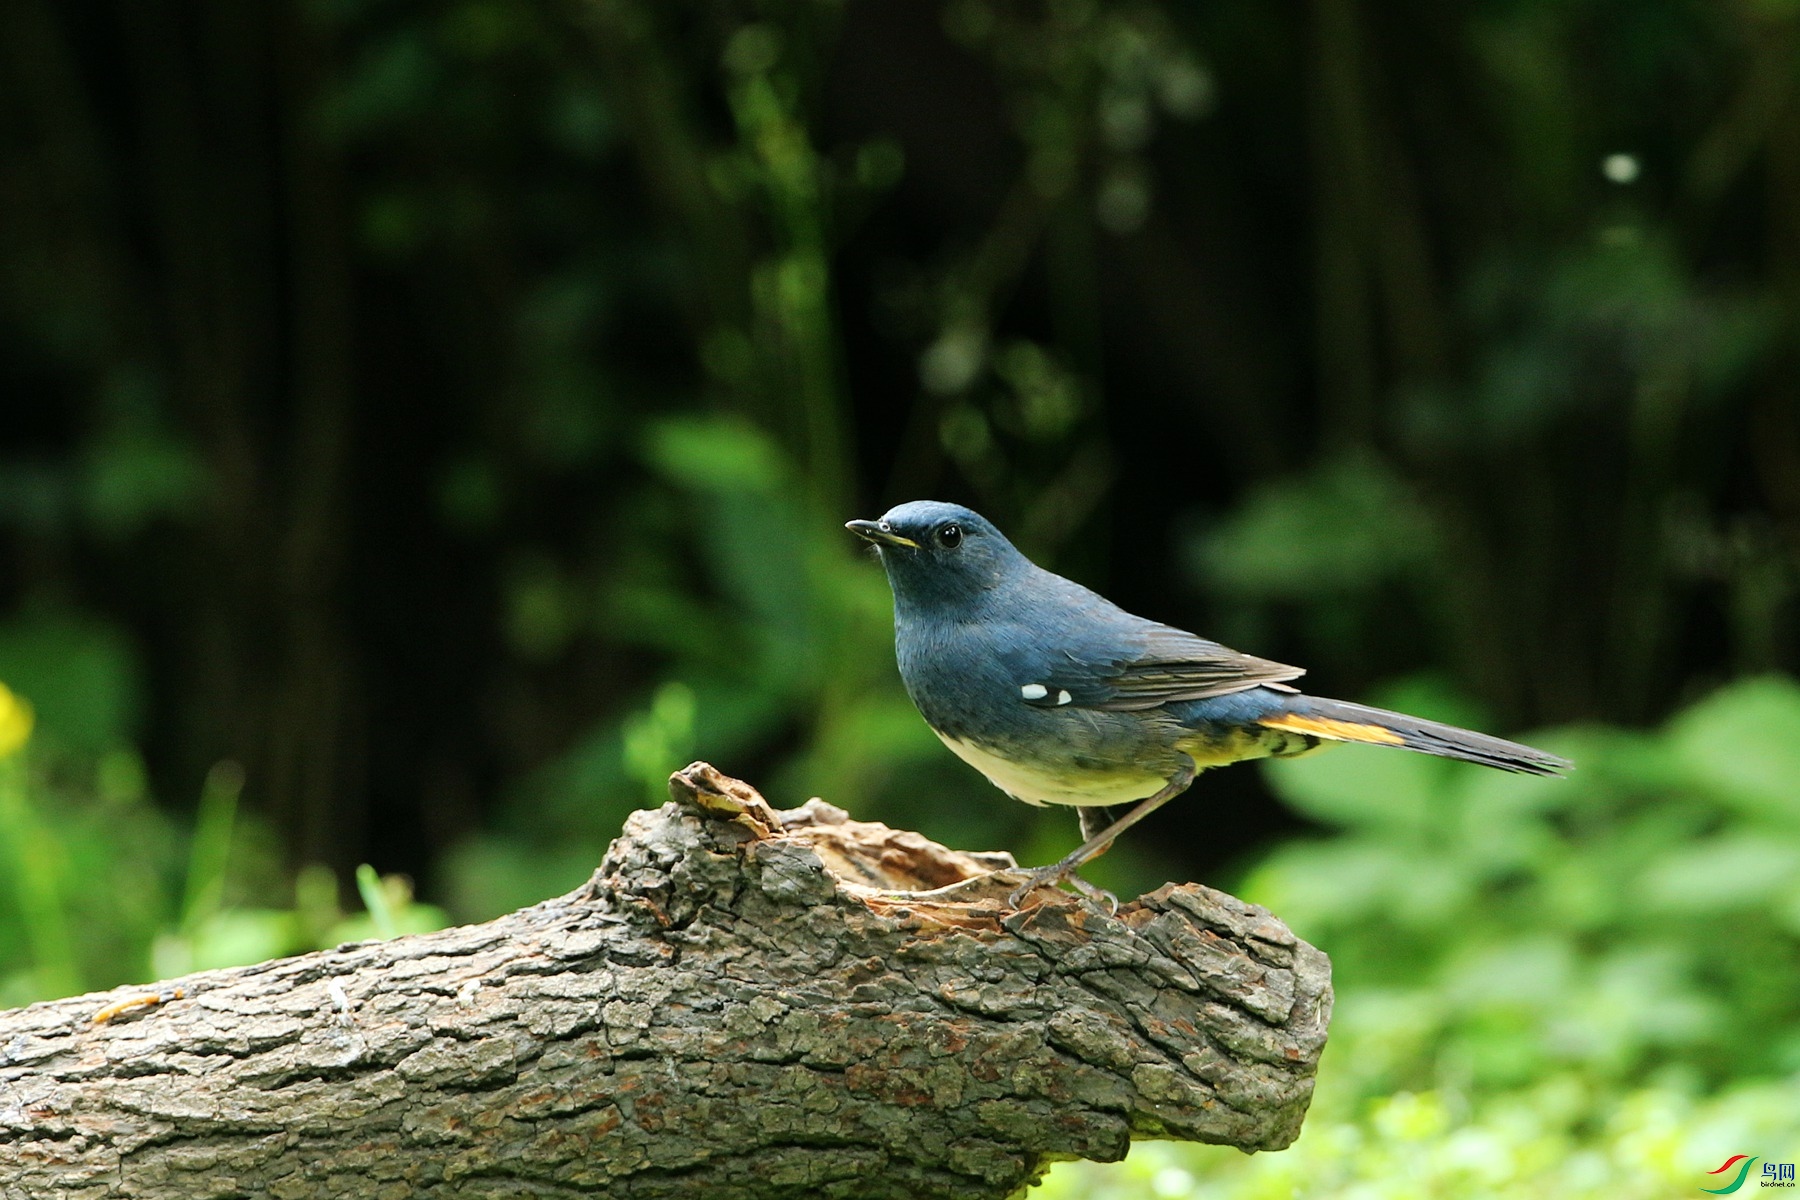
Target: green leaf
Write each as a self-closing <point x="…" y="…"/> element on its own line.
<point x="1743" y="744"/>
<point x="722" y="454"/>
<point x="232" y="938"/>
<point x="1731" y="871"/>
<point x="130" y="479"/>
<point x="1317" y="886"/>
<point x="1362" y="786"/>
<point x="375" y="899"/>
<point x="80" y="676"/>
<point x="1342" y="528"/>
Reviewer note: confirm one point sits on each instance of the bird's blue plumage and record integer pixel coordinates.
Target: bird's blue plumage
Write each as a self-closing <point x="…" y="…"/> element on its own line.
<point x="1060" y="696"/>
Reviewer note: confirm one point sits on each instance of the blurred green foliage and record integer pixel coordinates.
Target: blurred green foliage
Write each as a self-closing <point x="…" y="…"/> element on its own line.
<point x="103" y="888"/>
<point x="1586" y="986"/>
<point x="767" y="625"/>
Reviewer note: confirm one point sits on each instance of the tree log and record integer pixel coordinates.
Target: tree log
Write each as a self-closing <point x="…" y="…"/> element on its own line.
<point x="730" y="1008"/>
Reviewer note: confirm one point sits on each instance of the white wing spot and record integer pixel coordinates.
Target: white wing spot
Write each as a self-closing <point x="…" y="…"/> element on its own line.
<point x="1034" y="691"/>
<point x="1063" y="697"/>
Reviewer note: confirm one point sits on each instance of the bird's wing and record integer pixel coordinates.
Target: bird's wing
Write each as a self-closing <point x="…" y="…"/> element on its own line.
<point x="1154" y="665"/>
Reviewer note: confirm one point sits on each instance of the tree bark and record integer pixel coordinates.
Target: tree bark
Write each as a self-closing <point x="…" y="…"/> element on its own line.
<point x="728" y="1009"/>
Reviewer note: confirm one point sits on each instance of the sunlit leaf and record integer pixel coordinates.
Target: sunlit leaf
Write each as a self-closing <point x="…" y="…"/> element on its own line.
<point x="716" y="454"/>
<point x="1726" y="872"/>
<point x="1744" y="742"/>
<point x="1363" y="786"/>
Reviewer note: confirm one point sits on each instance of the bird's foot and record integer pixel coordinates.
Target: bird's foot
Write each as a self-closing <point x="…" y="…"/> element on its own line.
<point x="978" y="887"/>
<point x="1059" y="873"/>
<point x="984" y="885"/>
<point x="960" y="890"/>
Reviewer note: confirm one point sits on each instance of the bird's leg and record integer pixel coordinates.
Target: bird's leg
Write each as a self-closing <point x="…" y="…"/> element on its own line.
<point x="1065" y="869"/>
<point x="1094" y="821"/>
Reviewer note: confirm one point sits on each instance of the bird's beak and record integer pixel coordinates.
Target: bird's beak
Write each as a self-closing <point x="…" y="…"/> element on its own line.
<point x="873" y="531"/>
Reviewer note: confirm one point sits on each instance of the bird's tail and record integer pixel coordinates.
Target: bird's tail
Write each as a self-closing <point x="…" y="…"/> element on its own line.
<point x="1341" y="721"/>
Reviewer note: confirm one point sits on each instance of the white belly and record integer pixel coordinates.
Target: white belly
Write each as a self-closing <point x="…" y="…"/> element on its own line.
<point x="1025" y="783"/>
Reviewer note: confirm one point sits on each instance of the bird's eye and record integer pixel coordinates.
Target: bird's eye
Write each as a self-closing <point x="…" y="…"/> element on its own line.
<point x="949" y="536"/>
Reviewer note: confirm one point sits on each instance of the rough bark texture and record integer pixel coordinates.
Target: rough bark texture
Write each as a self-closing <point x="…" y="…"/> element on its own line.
<point x="726" y="1010"/>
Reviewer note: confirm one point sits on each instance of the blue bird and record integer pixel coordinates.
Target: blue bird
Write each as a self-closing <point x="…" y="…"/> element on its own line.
<point x="1059" y="696"/>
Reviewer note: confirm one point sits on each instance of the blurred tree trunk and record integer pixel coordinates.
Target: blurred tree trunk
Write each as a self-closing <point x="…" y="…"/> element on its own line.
<point x="726" y="1009"/>
<point x="193" y="243"/>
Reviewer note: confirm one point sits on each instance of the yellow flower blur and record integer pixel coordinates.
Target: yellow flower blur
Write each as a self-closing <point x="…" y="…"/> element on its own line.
<point x="16" y="720"/>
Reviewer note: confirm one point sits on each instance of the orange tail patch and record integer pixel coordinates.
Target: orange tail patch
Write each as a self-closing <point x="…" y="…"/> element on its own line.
<point x="1337" y="731"/>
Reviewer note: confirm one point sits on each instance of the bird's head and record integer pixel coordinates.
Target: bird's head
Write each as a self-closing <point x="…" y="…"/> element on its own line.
<point x="940" y="554"/>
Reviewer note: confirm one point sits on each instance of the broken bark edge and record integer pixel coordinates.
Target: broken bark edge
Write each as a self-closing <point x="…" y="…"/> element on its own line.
<point x="735" y="1006"/>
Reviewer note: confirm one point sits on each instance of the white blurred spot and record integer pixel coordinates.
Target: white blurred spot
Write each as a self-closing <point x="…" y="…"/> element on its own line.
<point x="1063" y="697"/>
<point x="1620" y="168"/>
<point x="1034" y="691"/>
<point x="340" y="1002"/>
<point x="1172" y="1181"/>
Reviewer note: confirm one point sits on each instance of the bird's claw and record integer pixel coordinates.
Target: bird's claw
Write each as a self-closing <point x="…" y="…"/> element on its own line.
<point x="950" y="892"/>
<point x="1051" y="876"/>
<point x="1097" y="896"/>
<point x="1059" y="873"/>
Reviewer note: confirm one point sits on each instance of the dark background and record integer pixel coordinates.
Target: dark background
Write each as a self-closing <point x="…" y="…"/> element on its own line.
<point x="397" y="394"/>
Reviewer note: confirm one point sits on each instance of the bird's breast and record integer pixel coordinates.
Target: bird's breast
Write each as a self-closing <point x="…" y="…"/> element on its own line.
<point x="1057" y="778"/>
